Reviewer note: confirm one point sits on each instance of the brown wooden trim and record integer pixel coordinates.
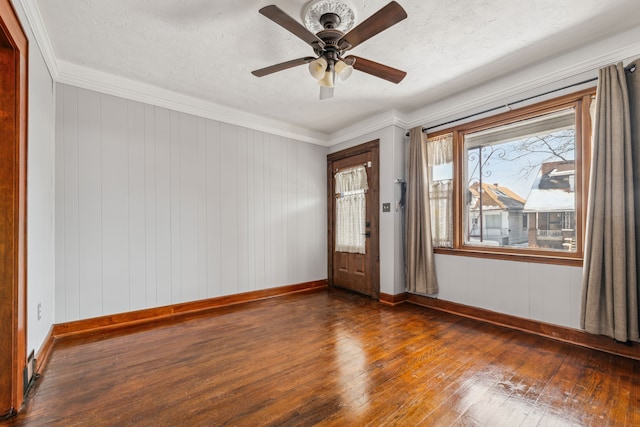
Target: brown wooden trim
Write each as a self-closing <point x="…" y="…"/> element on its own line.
<point x="167" y="313"/>
<point x="330" y="238"/>
<point x="358" y="149"/>
<point x="578" y="100"/>
<point x="555" y="332"/>
<point x="10" y="25"/>
<point x="375" y="220"/>
<point x="458" y="179"/>
<point x="43" y="355"/>
<point x="506" y="256"/>
<point x="13" y="193"/>
<point x="526" y="112"/>
<point x="584" y="158"/>
<point x="393" y="299"/>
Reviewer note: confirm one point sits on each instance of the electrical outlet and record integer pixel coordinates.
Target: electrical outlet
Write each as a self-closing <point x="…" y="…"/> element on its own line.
<point x="386" y="207"/>
<point x="39" y="310"/>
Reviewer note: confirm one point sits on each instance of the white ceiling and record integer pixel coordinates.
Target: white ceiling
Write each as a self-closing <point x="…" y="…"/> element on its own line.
<point x="204" y="50"/>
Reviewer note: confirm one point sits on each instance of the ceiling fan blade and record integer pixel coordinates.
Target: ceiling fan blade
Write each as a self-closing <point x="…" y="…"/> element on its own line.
<point x="276" y="14"/>
<point x="376" y="69"/>
<point x="326" y="92"/>
<point x="386" y="17"/>
<point x="282" y="66"/>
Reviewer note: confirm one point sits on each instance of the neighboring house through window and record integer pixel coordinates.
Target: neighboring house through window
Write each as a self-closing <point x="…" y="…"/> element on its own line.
<point x="518" y="182"/>
<point x="552" y="205"/>
<point x="496" y="221"/>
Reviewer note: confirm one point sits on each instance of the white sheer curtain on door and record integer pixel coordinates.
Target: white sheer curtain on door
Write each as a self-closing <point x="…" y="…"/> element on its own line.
<point x="350" y="189"/>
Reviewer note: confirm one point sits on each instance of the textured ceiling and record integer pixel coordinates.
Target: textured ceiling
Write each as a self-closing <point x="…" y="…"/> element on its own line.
<point x="206" y="49"/>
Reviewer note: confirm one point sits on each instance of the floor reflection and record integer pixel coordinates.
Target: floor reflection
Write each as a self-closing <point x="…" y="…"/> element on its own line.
<point x="353" y="378"/>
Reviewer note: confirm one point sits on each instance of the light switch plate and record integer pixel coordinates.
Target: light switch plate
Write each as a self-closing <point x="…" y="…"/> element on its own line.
<point x="386" y="207"/>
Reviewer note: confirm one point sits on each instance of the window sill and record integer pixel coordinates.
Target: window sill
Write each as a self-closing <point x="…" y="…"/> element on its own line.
<point x="572" y="260"/>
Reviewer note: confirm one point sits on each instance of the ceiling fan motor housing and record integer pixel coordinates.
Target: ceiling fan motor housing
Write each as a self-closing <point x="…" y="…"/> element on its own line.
<point x="330" y="21"/>
<point x="330" y="36"/>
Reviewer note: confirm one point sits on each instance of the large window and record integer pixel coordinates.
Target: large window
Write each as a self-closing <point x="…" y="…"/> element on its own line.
<point x="519" y="182"/>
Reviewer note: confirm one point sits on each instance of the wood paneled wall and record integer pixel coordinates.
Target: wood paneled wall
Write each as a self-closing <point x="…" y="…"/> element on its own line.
<point x="157" y="207"/>
<point x="542" y="292"/>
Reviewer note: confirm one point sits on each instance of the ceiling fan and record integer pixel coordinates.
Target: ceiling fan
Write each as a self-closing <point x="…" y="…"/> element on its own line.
<point x="330" y="44"/>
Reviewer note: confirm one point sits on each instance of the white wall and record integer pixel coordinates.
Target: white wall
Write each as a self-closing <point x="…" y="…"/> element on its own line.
<point x="157" y="207"/>
<point x="40" y="198"/>
<point x="40" y="202"/>
<point x="392" y="166"/>
<point x="541" y="292"/>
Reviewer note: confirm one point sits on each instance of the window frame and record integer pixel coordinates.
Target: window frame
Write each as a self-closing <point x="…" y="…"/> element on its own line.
<point x="581" y="102"/>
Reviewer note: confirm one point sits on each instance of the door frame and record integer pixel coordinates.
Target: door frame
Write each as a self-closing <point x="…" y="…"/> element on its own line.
<point x="13" y="201"/>
<point x="374" y="244"/>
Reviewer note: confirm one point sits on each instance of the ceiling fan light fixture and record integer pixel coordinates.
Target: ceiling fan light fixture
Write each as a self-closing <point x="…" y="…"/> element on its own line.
<point x="343" y="70"/>
<point x="317" y="68"/>
<point x="327" y="80"/>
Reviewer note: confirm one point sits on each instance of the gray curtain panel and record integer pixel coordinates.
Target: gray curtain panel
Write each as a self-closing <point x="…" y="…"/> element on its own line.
<point x="420" y="262"/>
<point x="611" y="263"/>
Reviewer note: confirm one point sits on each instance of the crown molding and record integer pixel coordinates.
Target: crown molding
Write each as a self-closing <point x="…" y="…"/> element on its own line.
<point x="369" y="125"/>
<point x="99" y="81"/>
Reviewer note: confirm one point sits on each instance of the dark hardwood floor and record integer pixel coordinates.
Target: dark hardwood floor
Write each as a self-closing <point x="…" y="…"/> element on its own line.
<point x="330" y="358"/>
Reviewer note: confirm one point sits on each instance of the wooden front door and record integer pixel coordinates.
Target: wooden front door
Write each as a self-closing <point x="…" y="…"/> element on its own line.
<point x="358" y="272"/>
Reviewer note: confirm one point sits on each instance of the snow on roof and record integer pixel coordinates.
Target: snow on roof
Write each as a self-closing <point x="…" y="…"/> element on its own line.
<point x="552" y="190"/>
<point x="550" y="200"/>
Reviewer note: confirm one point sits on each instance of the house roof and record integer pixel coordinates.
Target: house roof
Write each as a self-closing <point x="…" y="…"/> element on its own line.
<point x="496" y="197"/>
<point x="553" y="189"/>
